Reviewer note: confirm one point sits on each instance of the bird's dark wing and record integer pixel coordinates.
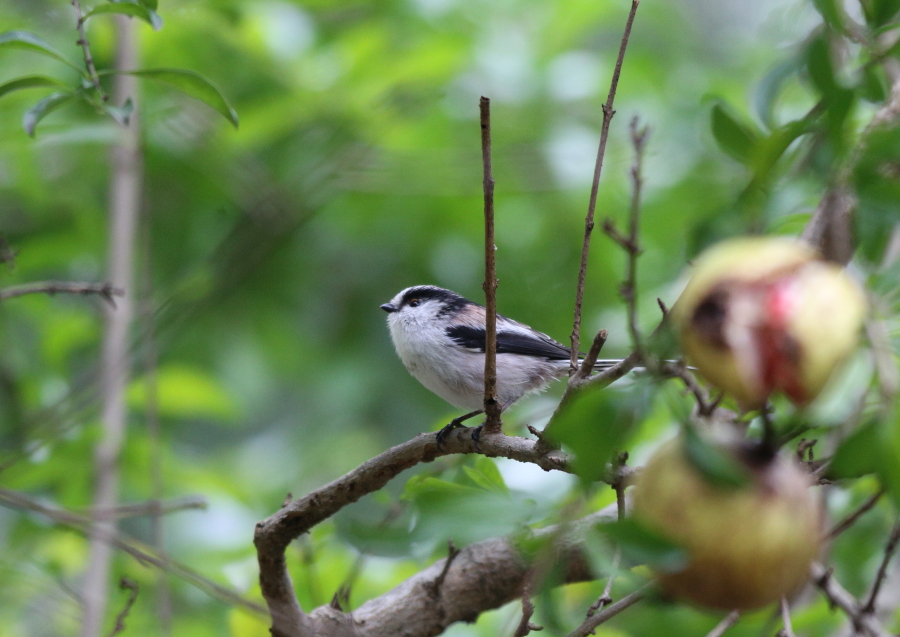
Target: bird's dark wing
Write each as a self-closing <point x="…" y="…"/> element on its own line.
<point x="508" y="342"/>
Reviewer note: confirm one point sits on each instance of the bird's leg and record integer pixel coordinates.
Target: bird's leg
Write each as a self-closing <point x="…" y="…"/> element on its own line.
<point x="476" y="432"/>
<point x="455" y="423"/>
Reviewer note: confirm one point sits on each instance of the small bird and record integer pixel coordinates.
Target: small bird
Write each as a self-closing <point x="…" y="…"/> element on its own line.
<point x="440" y="337"/>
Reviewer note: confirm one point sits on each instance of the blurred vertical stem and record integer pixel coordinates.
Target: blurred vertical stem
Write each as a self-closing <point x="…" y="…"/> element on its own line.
<point x="151" y="415"/>
<point x="124" y="203"/>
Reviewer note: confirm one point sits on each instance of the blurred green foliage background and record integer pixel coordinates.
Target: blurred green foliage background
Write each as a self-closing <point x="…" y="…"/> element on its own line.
<point x="266" y="251"/>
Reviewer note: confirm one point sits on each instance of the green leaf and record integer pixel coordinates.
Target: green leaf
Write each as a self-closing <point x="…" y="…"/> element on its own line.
<point x="872" y="84"/>
<point x="122" y="114"/>
<point x="857" y="455"/>
<point x="185" y="392"/>
<point x="879" y="12"/>
<point x="829" y="11"/>
<point x="735" y="138"/>
<point x="644" y="546"/>
<point x="31" y="42"/>
<point x="872" y="448"/>
<point x="150" y="4"/>
<point x="31" y="81"/>
<point x="486" y="475"/>
<point x="140" y="11"/>
<point x="189" y="83"/>
<point x="769" y="88"/>
<point x="43" y="108"/>
<point x="837" y="100"/>
<point x="716" y="464"/>
<point x="821" y="70"/>
<point x="594" y="424"/>
<point x="877" y="184"/>
<point x="386" y="537"/>
<point x="467" y="514"/>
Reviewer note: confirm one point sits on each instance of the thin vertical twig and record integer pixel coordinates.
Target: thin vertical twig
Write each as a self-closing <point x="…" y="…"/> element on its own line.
<point x="619" y="486"/>
<point x="639" y="141"/>
<point x="125" y="196"/>
<point x="132" y="586"/>
<point x="608" y="113"/>
<point x="889" y="550"/>
<point x="151" y="412"/>
<point x="787" y="629"/>
<point x="491" y="406"/>
<point x="630" y="242"/>
<point x="88" y="58"/>
<point x="525" y="626"/>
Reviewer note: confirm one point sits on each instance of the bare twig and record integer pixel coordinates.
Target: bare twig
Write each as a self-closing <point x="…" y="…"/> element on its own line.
<point x="608" y="113"/>
<point x="151" y="414"/>
<point x="787" y="629"/>
<point x="847" y="522"/>
<point x="704" y="406"/>
<point x="587" y="365"/>
<point x="126" y="186"/>
<point x="88" y="58"/>
<point x="606" y="596"/>
<point x="525" y="626"/>
<point x="662" y="307"/>
<point x="154" y="508"/>
<point x="838" y="596"/>
<point x="632" y="247"/>
<point x="727" y="622"/>
<point x="20" y="500"/>
<point x="588" y="625"/>
<point x="889" y="551"/>
<point x="104" y="290"/>
<point x="452" y="553"/>
<point x="143" y="554"/>
<point x="132" y="586"/>
<point x="491" y="406"/>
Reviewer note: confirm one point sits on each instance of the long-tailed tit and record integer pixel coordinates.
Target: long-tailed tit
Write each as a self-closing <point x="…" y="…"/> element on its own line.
<point x="440" y="337"/>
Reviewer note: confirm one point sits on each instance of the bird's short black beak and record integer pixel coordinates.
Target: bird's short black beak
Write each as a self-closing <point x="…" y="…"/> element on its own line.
<point x="387" y="307"/>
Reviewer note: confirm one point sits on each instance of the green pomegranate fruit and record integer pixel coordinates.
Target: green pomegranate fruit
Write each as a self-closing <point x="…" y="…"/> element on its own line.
<point x="767" y="315"/>
<point x="748" y="545"/>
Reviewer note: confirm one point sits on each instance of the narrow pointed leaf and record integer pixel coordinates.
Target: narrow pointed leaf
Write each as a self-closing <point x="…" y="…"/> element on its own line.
<point x="140" y="11"/>
<point x="43" y="108"/>
<point x="192" y="84"/>
<point x="829" y="11"/>
<point x="734" y="137"/>
<point x="122" y="114"/>
<point x="31" y="42"/>
<point x="150" y="4"/>
<point x="31" y="81"/>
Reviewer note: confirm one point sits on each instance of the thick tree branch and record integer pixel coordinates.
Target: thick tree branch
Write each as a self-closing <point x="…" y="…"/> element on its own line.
<point x="483" y="576"/>
<point x="608" y="113"/>
<point x="298" y="516"/>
